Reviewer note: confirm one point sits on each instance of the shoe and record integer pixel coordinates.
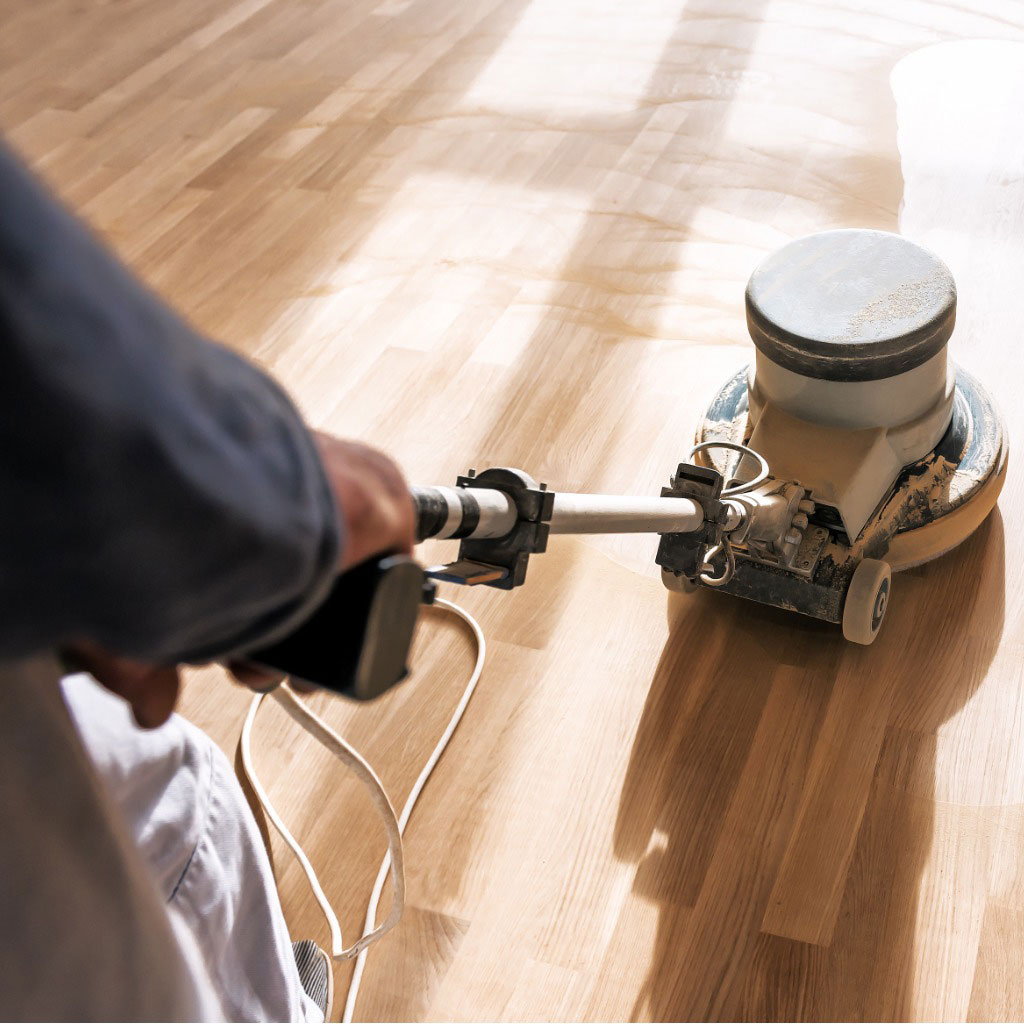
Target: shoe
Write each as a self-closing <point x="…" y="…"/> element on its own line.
<point x="315" y="974"/>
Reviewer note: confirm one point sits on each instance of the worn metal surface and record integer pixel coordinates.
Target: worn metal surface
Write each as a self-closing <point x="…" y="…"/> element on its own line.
<point x="969" y="454"/>
<point x="851" y="305"/>
<point x="820" y="594"/>
<point x="811" y="547"/>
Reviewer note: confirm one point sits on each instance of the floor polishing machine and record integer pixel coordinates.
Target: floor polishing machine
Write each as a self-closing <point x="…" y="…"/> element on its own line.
<point x="852" y="447"/>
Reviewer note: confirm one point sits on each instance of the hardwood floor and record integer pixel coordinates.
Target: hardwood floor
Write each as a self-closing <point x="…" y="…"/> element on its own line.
<point x="486" y="232"/>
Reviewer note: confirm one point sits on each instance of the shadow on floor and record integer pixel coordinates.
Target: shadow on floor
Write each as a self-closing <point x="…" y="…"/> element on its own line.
<point x="689" y="766"/>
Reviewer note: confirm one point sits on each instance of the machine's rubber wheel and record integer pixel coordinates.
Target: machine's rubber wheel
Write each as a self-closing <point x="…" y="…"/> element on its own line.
<point x="866" y="601"/>
<point x="677" y="584"/>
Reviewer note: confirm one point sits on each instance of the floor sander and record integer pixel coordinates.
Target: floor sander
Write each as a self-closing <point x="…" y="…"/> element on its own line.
<point x="852" y="447"/>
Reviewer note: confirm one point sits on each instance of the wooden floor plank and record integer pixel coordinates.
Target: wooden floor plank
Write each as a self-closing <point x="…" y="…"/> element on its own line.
<point x="518" y="233"/>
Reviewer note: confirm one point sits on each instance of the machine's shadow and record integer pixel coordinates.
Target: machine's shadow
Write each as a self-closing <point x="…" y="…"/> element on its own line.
<point x="689" y="764"/>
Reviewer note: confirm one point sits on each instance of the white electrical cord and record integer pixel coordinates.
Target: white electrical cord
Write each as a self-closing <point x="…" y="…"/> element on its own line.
<point x="393" y="860"/>
<point x="351" y="757"/>
<point x="417" y="788"/>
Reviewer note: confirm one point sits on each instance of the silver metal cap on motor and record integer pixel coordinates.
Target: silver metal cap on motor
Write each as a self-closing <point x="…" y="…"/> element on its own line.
<point x="851" y="381"/>
<point x="851" y="329"/>
<point x="851" y="305"/>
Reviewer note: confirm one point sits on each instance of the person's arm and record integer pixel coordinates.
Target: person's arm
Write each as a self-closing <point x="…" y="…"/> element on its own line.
<point x="161" y="496"/>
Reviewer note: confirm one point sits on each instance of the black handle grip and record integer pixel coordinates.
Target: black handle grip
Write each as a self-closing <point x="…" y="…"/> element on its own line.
<point x="357" y="641"/>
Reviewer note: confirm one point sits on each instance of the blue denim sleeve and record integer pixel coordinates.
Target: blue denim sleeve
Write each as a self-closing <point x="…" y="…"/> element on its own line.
<point x="160" y="495"/>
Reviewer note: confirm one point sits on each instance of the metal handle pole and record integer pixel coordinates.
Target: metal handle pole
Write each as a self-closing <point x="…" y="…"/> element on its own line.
<point x="613" y="513"/>
<point x="477" y="513"/>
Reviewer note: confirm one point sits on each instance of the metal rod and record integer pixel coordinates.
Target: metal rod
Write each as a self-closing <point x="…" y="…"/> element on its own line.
<point x="613" y="513"/>
<point x="478" y="513"/>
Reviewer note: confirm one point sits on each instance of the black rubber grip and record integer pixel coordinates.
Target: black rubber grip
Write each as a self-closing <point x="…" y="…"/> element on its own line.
<point x="431" y="511"/>
<point x="470" y="513"/>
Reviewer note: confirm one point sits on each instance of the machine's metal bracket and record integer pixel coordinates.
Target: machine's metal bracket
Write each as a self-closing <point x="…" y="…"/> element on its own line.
<point x="806" y="558"/>
<point x="685" y="553"/>
<point x="510" y="554"/>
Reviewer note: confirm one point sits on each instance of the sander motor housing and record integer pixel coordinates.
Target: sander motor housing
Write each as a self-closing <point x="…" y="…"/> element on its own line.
<point x="893" y="454"/>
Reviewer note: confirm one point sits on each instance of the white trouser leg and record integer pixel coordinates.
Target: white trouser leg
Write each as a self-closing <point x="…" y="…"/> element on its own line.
<point x="84" y="934"/>
<point x="193" y="826"/>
